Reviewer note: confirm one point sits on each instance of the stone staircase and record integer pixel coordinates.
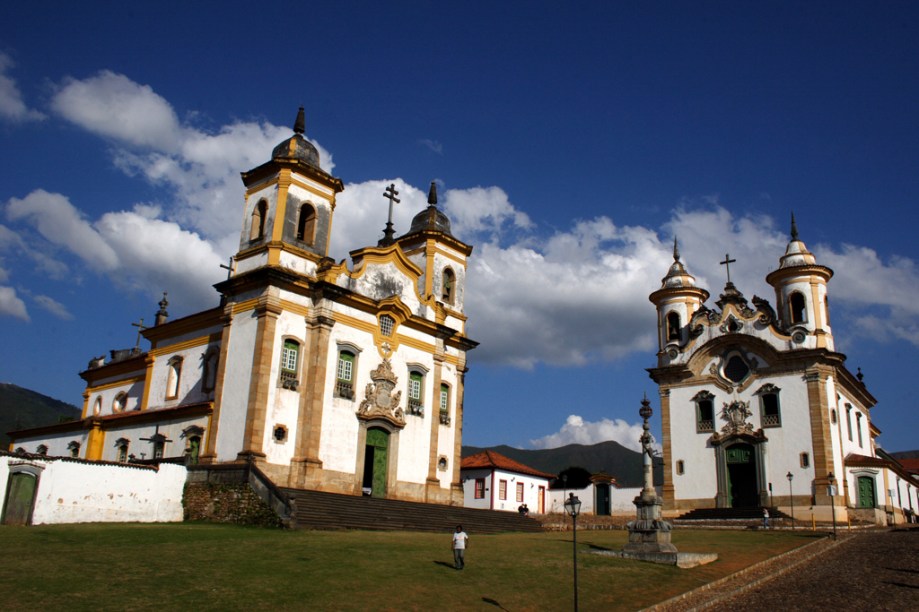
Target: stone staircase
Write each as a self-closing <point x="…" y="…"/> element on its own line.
<point x="320" y="510"/>
<point x="730" y="514"/>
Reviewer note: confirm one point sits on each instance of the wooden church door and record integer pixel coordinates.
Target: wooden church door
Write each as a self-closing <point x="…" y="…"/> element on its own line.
<point x="742" y="485"/>
<point x="376" y="462"/>
<point x="866" y="497"/>
<point x="20" y="498"/>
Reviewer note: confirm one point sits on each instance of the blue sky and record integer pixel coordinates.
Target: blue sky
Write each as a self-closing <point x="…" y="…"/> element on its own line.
<point x="571" y="141"/>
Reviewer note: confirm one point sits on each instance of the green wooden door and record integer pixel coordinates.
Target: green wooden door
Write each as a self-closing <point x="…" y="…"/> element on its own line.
<point x="19" y="498"/>
<point x="378" y="441"/>
<point x="866" y="497"/>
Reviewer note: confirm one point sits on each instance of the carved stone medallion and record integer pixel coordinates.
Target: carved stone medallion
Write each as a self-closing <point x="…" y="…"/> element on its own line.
<point x="380" y="402"/>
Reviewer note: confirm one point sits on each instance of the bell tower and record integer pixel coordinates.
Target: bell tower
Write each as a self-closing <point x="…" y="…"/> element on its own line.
<point x="290" y="201"/>
<point x="677" y="301"/>
<point x="801" y="295"/>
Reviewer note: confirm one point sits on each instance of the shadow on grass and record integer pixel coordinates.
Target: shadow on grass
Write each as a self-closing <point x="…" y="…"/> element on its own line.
<point x="595" y="547"/>
<point x="445" y="564"/>
<point x="493" y="602"/>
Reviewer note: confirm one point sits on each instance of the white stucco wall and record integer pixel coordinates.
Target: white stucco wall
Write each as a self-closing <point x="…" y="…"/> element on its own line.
<point x="77" y="492"/>
<point x="235" y="393"/>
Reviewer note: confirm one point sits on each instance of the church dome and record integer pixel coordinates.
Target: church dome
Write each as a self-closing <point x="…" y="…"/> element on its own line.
<point x="796" y="253"/>
<point x="297" y="148"/>
<point x="677" y="276"/>
<point x="431" y="219"/>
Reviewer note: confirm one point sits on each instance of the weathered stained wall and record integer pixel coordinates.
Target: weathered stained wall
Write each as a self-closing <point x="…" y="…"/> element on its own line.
<point x="80" y="492"/>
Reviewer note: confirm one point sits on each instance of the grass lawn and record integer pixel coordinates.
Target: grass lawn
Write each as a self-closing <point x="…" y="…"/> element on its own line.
<point x="219" y="567"/>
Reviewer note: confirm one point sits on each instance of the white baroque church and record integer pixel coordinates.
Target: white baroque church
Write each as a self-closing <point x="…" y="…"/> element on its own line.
<point x="328" y="376"/>
<point x="757" y="407"/>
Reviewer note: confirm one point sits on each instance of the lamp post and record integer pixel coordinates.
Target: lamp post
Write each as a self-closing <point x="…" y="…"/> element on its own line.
<point x="573" y="507"/>
<point x="832" y="491"/>
<point x="791" y="499"/>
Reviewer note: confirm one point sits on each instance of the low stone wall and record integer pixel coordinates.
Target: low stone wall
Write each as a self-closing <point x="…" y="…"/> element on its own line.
<point x="227" y="503"/>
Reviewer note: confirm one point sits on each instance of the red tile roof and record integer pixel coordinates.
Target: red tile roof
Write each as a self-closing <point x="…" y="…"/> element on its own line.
<point x="492" y="460"/>
<point x="910" y="465"/>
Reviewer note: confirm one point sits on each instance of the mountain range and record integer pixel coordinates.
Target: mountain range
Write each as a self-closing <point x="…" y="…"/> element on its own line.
<point x="22" y="408"/>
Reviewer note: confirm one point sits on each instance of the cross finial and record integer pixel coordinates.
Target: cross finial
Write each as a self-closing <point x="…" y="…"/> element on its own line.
<point x="390" y="194"/>
<point x="140" y="328"/>
<point x="794" y="227"/>
<point x="231" y="268"/>
<point x="727" y="264"/>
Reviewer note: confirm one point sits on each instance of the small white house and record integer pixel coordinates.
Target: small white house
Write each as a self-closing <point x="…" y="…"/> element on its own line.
<point x="492" y="481"/>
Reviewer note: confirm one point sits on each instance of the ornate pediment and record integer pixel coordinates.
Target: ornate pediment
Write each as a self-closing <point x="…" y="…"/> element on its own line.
<point x="380" y="401"/>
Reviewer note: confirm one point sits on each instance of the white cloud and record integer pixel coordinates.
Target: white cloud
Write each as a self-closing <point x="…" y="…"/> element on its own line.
<point x="11" y="305"/>
<point x="59" y="222"/>
<point x="433" y="145"/>
<point x="157" y="255"/>
<point x="114" y="106"/>
<point x="482" y="210"/>
<point x="12" y="106"/>
<point x="578" y="431"/>
<point x="54" y="307"/>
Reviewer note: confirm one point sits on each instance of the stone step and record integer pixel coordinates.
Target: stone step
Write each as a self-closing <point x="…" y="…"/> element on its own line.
<point x="321" y="510"/>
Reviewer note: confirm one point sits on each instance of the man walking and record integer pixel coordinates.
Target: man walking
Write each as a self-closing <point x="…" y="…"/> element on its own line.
<point x="459" y="547"/>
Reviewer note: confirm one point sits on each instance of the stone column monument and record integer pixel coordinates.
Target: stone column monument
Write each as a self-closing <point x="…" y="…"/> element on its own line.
<point x="648" y="533"/>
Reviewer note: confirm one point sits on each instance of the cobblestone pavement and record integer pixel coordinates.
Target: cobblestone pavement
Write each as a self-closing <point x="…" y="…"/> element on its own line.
<point x="876" y="570"/>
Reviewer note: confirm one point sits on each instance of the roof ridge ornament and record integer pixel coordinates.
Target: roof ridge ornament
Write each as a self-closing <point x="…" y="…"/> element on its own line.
<point x="432" y="194"/>
<point x="676" y="250"/>
<point x="794" y="227"/>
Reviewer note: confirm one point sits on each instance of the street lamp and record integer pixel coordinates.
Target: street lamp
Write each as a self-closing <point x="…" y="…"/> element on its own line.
<point x="791" y="499"/>
<point x="832" y="491"/>
<point x="573" y="508"/>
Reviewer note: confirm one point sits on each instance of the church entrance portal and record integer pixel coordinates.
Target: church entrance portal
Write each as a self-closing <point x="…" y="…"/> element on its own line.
<point x="376" y="455"/>
<point x="741" y="467"/>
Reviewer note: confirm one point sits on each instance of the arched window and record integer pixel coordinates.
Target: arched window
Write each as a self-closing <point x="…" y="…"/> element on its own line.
<point x="290" y="359"/>
<point x="120" y="401"/>
<point x="387" y="323"/>
<point x="444" y="404"/>
<point x="74" y="448"/>
<point x="798" y="307"/>
<point x="770" y="415"/>
<point x="449" y="286"/>
<point x="173" y="375"/>
<point x="192" y="435"/>
<point x="673" y="326"/>
<point x="121" y="446"/>
<point x="680" y="467"/>
<point x="257" y="223"/>
<point x="306" y="224"/>
<point x="344" y="383"/>
<point x="209" y="376"/>
<point x="42" y="450"/>
<point x="415" y="392"/>
<point x="705" y="411"/>
<point x="97" y="405"/>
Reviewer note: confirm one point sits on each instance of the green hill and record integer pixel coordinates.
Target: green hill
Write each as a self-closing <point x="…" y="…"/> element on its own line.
<point x="610" y="457"/>
<point x="22" y="409"/>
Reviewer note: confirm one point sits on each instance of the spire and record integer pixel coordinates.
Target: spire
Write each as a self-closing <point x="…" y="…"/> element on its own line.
<point x="676" y="250"/>
<point x="300" y="123"/>
<point x="794" y="227"/>
<point x="432" y="194"/>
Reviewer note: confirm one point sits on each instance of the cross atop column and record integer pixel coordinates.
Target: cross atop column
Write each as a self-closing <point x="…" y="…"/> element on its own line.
<point x="231" y="268"/>
<point x="390" y="194"/>
<point x="727" y="264"/>
<point x="140" y="328"/>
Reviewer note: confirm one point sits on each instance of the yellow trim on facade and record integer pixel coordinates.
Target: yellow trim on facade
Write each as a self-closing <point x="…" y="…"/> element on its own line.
<point x="244" y="306"/>
<point x="187" y="344"/>
<point x="118" y="383"/>
<point x="325" y="195"/>
<point x="148" y="378"/>
<point x="280" y="206"/>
